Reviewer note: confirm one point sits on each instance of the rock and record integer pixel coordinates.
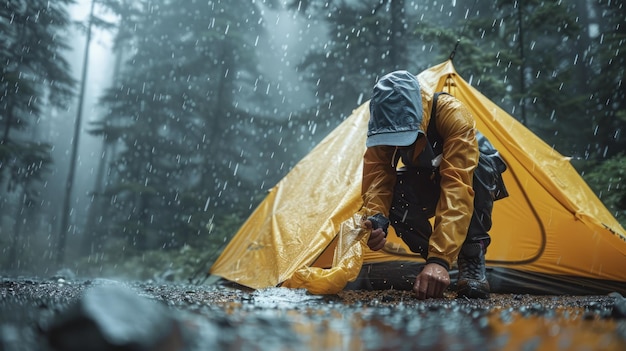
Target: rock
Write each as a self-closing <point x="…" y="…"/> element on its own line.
<point x="112" y="317"/>
<point x="63" y="274"/>
<point x="619" y="305"/>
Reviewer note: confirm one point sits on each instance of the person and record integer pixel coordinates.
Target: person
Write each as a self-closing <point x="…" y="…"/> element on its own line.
<point x="410" y="176"/>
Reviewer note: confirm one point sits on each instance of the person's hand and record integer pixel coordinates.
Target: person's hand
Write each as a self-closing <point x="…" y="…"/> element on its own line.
<point x="431" y="282"/>
<point x="377" y="238"/>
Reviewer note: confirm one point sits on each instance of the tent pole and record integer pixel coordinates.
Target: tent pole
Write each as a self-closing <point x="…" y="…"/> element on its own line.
<point x="453" y="53"/>
<point x="451" y="57"/>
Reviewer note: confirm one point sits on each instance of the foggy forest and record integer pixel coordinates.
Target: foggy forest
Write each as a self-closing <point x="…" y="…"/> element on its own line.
<point x="138" y="135"/>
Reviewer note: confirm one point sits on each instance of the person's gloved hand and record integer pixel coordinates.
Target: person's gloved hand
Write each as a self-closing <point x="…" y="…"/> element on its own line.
<point x="378" y="224"/>
<point x="431" y="282"/>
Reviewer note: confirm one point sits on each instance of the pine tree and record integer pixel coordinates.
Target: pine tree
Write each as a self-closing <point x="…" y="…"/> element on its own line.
<point x="607" y="60"/>
<point x="33" y="75"/>
<point x="535" y="45"/>
<point x="184" y="113"/>
<point x="372" y="38"/>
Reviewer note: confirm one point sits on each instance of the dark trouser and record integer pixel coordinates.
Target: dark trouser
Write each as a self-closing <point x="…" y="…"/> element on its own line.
<point x="415" y="199"/>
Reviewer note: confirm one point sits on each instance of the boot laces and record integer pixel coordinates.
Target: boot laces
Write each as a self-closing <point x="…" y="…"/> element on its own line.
<point x="471" y="268"/>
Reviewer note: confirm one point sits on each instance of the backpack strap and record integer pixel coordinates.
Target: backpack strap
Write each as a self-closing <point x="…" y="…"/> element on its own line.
<point x="427" y="159"/>
<point x="434" y="138"/>
<point x="490" y="164"/>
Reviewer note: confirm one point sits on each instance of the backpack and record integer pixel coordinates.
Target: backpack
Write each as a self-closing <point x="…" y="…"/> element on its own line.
<point x="490" y="164"/>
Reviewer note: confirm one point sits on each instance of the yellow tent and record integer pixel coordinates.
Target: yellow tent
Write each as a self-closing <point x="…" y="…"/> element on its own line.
<point x="551" y="235"/>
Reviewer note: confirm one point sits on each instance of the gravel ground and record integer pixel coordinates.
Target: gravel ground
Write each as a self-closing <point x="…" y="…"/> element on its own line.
<point x="214" y="316"/>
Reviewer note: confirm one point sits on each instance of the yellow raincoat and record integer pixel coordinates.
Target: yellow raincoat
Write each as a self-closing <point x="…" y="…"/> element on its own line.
<point x="456" y="126"/>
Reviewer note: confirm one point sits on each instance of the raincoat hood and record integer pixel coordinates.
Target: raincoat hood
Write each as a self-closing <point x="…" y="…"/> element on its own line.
<point x="395" y="111"/>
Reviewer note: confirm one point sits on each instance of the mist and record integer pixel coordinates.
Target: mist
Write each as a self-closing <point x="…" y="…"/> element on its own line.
<point x="192" y="113"/>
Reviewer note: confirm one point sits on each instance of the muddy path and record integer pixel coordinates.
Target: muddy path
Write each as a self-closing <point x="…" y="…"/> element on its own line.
<point x="218" y="317"/>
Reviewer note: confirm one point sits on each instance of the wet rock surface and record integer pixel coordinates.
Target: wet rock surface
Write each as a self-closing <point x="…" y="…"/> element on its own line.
<point x="220" y="317"/>
<point x="114" y="317"/>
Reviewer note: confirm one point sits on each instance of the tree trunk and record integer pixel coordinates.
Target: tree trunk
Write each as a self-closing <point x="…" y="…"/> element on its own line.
<point x="92" y="238"/>
<point x="397" y="52"/>
<point x="65" y="214"/>
<point x="522" y="68"/>
<point x="17" y="232"/>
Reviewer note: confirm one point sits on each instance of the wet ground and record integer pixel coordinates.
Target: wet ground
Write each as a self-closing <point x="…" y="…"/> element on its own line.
<point x="218" y="317"/>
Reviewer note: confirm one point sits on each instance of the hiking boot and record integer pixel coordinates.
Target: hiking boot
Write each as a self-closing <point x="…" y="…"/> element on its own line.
<point x="472" y="281"/>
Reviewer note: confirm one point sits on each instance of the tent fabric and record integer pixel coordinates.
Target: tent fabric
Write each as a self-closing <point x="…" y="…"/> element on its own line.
<point x="301" y="215"/>
<point x="347" y="263"/>
<point x="551" y="225"/>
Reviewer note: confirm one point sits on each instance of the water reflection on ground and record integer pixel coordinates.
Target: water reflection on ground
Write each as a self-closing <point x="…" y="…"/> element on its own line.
<point x="216" y="317"/>
<point x="289" y="319"/>
<point x="450" y="330"/>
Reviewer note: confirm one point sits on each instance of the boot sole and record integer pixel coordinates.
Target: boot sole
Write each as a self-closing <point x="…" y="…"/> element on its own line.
<point x="478" y="291"/>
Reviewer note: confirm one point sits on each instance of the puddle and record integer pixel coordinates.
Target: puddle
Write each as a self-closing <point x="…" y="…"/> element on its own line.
<point x="220" y="318"/>
<point x="282" y="319"/>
